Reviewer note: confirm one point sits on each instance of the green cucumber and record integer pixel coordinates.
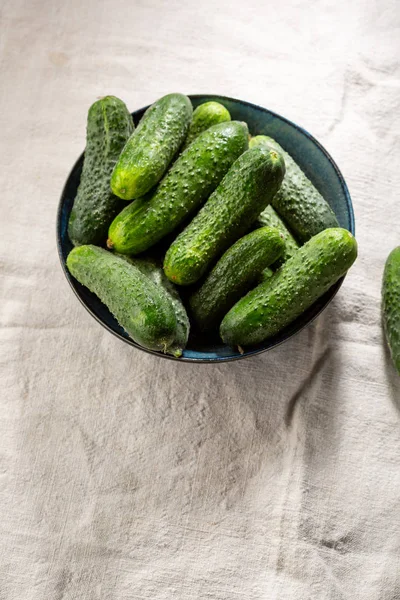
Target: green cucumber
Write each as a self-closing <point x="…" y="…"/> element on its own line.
<point x="187" y="185"/>
<point x="109" y="125"/>
<point x="270" y="218"/>
<point x="274" y="304"/>
<point x="151" y="269"/>
<point x="140" y="306"/>
<point x="266" y="274"/>
<point x="234" y="274"/>
<point x="244" y="192"/>
<point x="204" y="116"/>
<point x="391" y="305"/>
<point x="150" y="149"/>
<point x="298" y="202"/>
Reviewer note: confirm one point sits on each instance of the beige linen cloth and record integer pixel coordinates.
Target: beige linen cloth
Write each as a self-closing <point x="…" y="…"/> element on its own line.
<point x="124" y="476"/>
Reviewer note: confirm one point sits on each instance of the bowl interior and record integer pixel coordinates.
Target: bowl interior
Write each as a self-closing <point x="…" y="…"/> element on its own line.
<point x="314" y="161"/>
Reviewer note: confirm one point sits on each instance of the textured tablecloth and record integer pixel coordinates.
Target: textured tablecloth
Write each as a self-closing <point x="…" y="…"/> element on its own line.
<point x="126" y="476"/>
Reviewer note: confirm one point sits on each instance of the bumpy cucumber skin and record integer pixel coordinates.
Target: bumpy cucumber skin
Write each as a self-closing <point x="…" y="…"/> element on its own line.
<point x="244" y="192"/>
<point x="109" y="126"/>
<point x="234" y="274"/>
<point x="266" y="274"/>
<point x="298" y="202"/>
<point x="189" y="182"/>
<point x="272" y="305"/>
<point x="150" y="149"/>
<point x="204" y="116"/>
<point x="141" y="307"/>
<point x="150" y="268"/>
<point x="391" y="305"/>
<point x="270" y="218"/>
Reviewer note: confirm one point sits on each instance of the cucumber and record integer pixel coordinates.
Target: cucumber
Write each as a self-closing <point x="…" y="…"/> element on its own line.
<point x="391" y="305"/>
<point x="266" y="274"/>
<point x="141" y="307"/>
<point x="244" y="192"/>
<point x="109" y="125"/>
<point x="234" y="274"/>
<point x="150" y="268"/>
<point x="150" y="149"/>
<point x="298" y="202"/>
<point x="204" y="116"/>
<point x="270" y="218"/>
<point x="189" y="182"/>
<point x="301" y="280"/>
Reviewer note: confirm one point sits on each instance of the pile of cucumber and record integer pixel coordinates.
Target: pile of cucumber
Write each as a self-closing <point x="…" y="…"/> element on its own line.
<point x="190" y="201"/>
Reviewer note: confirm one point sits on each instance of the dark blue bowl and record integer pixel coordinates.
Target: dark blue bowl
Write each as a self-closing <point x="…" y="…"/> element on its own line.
<point x="312" y="158"/>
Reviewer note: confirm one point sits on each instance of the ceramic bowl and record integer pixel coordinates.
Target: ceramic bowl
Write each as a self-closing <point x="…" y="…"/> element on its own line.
<point x="316" y="163"/>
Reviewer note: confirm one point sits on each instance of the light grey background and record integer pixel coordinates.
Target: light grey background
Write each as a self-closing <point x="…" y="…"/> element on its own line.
<point x="125" y="476"/>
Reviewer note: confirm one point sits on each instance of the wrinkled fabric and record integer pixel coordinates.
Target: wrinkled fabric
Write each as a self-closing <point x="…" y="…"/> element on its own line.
<point x="124" y="476"/>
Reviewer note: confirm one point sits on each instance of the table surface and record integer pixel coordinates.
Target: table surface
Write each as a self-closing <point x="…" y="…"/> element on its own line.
<point x="125" y="476"/>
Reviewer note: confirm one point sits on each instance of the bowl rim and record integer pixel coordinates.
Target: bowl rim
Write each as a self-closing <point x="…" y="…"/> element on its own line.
<point x="218" y="359"/>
